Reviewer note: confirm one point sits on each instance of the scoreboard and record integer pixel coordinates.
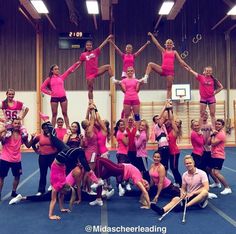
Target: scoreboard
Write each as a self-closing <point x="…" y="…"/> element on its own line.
<point x="73" y="40"/>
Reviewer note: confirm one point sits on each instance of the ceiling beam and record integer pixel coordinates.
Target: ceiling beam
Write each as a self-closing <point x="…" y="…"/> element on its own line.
<point x="176" y="9"/>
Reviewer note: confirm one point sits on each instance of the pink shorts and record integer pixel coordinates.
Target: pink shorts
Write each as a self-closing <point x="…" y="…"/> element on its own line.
<point x="92" y="76"/>
<point x="57" y="176"/>
<point x="131" y="102"/>
<point x="208" y="101"/>
<point x="167" y="72"/>
<point x="70" y="179"/>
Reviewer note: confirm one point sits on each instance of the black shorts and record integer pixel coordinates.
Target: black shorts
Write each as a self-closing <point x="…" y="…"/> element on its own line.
<point x="58" y="99"/>
<point x="16" y="168"/>
<point x="216" y="163"/>
<point x="197" y="160"/>
<point x="122" y="158"/>
<point x="206" y="159"/>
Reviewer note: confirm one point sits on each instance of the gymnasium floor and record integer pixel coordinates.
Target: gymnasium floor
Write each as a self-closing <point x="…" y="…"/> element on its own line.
<point x="119" y="212"/>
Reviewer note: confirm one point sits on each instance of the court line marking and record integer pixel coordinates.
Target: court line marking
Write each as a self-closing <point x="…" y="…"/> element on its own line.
<point x="104" y="216"/>
<point x="230" y="169"/>
<point x="21" y="184"/>
<point x="222" y="214"/>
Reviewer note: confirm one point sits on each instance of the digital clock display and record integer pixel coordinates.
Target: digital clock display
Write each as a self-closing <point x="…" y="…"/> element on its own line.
<point x="73" y="40"/>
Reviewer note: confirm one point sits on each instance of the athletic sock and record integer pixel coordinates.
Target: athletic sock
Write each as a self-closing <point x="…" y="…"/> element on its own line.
<point x="13" y="193"/>
<point x="157" y="209"/>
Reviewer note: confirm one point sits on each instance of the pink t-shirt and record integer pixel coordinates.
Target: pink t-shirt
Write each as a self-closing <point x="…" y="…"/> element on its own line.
<point x="60" y="133"/>
<point x="155" y="177"/>
<point x="218" y="151"/>
<point x="173" y="148"/>
<point x="11" y="149"/>
<point x="54" y="86"/>
<point x="121" y="148"/>
<point x="130" y="88"/>
<point x="11" y="112"/>
<point x="206" y="86"/>
<point x="194" y="181"/>
<point x="91" y="62"/>
<point x="45" y="145"/>
<point x="168" y="59"/>
<point x="128" y="61"/>
<point x="131" y="135"/>
<point x="141" y="144"/>
<point x="131" y="172"/>
<point x="197" y="141"/>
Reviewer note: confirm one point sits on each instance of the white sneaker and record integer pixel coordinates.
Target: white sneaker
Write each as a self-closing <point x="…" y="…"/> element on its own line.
<point x="226" y="191"/>
<point x="92" y="193"/>
<point x="15" y="200"/>
<point x="110" y="193"/>
<point x="215" y="185"/>
<point x="50" y="188"/>
<point x="38" y="194"/>
<point x="94" y="185"/>
<point x="96" y="202"/>
<point x="203" y="204"/>
<point x="121" y="190"/>
<point x="212" y="195"/>
<point x="128" y="187"/>
<point x="114" y="81"/>
<point x="144" y="80"/>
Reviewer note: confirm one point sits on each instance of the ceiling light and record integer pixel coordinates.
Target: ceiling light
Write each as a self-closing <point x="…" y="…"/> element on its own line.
<point x="166" y="7"/>
<point x="39" y="6"/>
<point x="92" y="7"/>
<point x="232" y="11"/>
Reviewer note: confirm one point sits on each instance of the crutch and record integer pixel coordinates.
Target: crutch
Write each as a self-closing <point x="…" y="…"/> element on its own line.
<point x="185" y="207"/>
<point x="180" y="200"/>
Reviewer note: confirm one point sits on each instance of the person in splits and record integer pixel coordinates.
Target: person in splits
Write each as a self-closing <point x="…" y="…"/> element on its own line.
<point x="194" y="188"/>
<point x="167" y="67"/>
<point x="92" y="71"/>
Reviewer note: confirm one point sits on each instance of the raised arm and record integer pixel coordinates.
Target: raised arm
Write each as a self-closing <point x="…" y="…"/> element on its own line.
<point x="155" y="41"/>
<point x="173" y="124"/>
<point x="116" y="47"/>
<point x="105" y="42"/>
<point x="71" y="69"/>
<point x="181" y="61"/>
<point x="141" y="49"/>
<point x="192" y="72"/>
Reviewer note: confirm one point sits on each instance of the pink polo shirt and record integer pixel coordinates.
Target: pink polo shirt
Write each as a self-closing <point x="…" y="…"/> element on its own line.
<point x="218" y="151"/>
<point x="60" y="133"/>
<point x="194" y="181"/>
<point x="141" y="144"/>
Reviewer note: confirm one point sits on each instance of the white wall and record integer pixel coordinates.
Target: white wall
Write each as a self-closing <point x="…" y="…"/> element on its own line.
<point x="78" y="103"/>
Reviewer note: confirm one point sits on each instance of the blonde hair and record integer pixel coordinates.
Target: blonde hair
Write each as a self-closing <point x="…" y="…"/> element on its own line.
<point x="169" y="41"/>
<point x="147" y="127"/>
<point x="186" y="157"/>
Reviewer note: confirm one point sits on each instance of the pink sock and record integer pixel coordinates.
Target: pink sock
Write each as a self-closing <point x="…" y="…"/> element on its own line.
<point x="93" y="177"/>
<point x="43" y="116"/>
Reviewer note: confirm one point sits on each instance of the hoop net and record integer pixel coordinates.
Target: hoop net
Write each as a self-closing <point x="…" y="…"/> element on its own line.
<point x="181" y="99"/>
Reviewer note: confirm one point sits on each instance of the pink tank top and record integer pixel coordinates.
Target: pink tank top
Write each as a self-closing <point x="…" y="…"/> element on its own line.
<point x="173" y="148"/>
<point x="131" y="172"/>
<point x="128" y="61"/>
<point x="101" y="143"/>
<point x="92" y="146"/>
<point x="155" y="177"/>
<point x="168" y="59"/>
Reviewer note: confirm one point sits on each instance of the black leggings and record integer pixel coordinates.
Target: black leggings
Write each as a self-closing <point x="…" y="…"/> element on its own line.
<point x="174" y="164"/>
<point x="65" y="152"/>
<point x="106" y="168"/>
